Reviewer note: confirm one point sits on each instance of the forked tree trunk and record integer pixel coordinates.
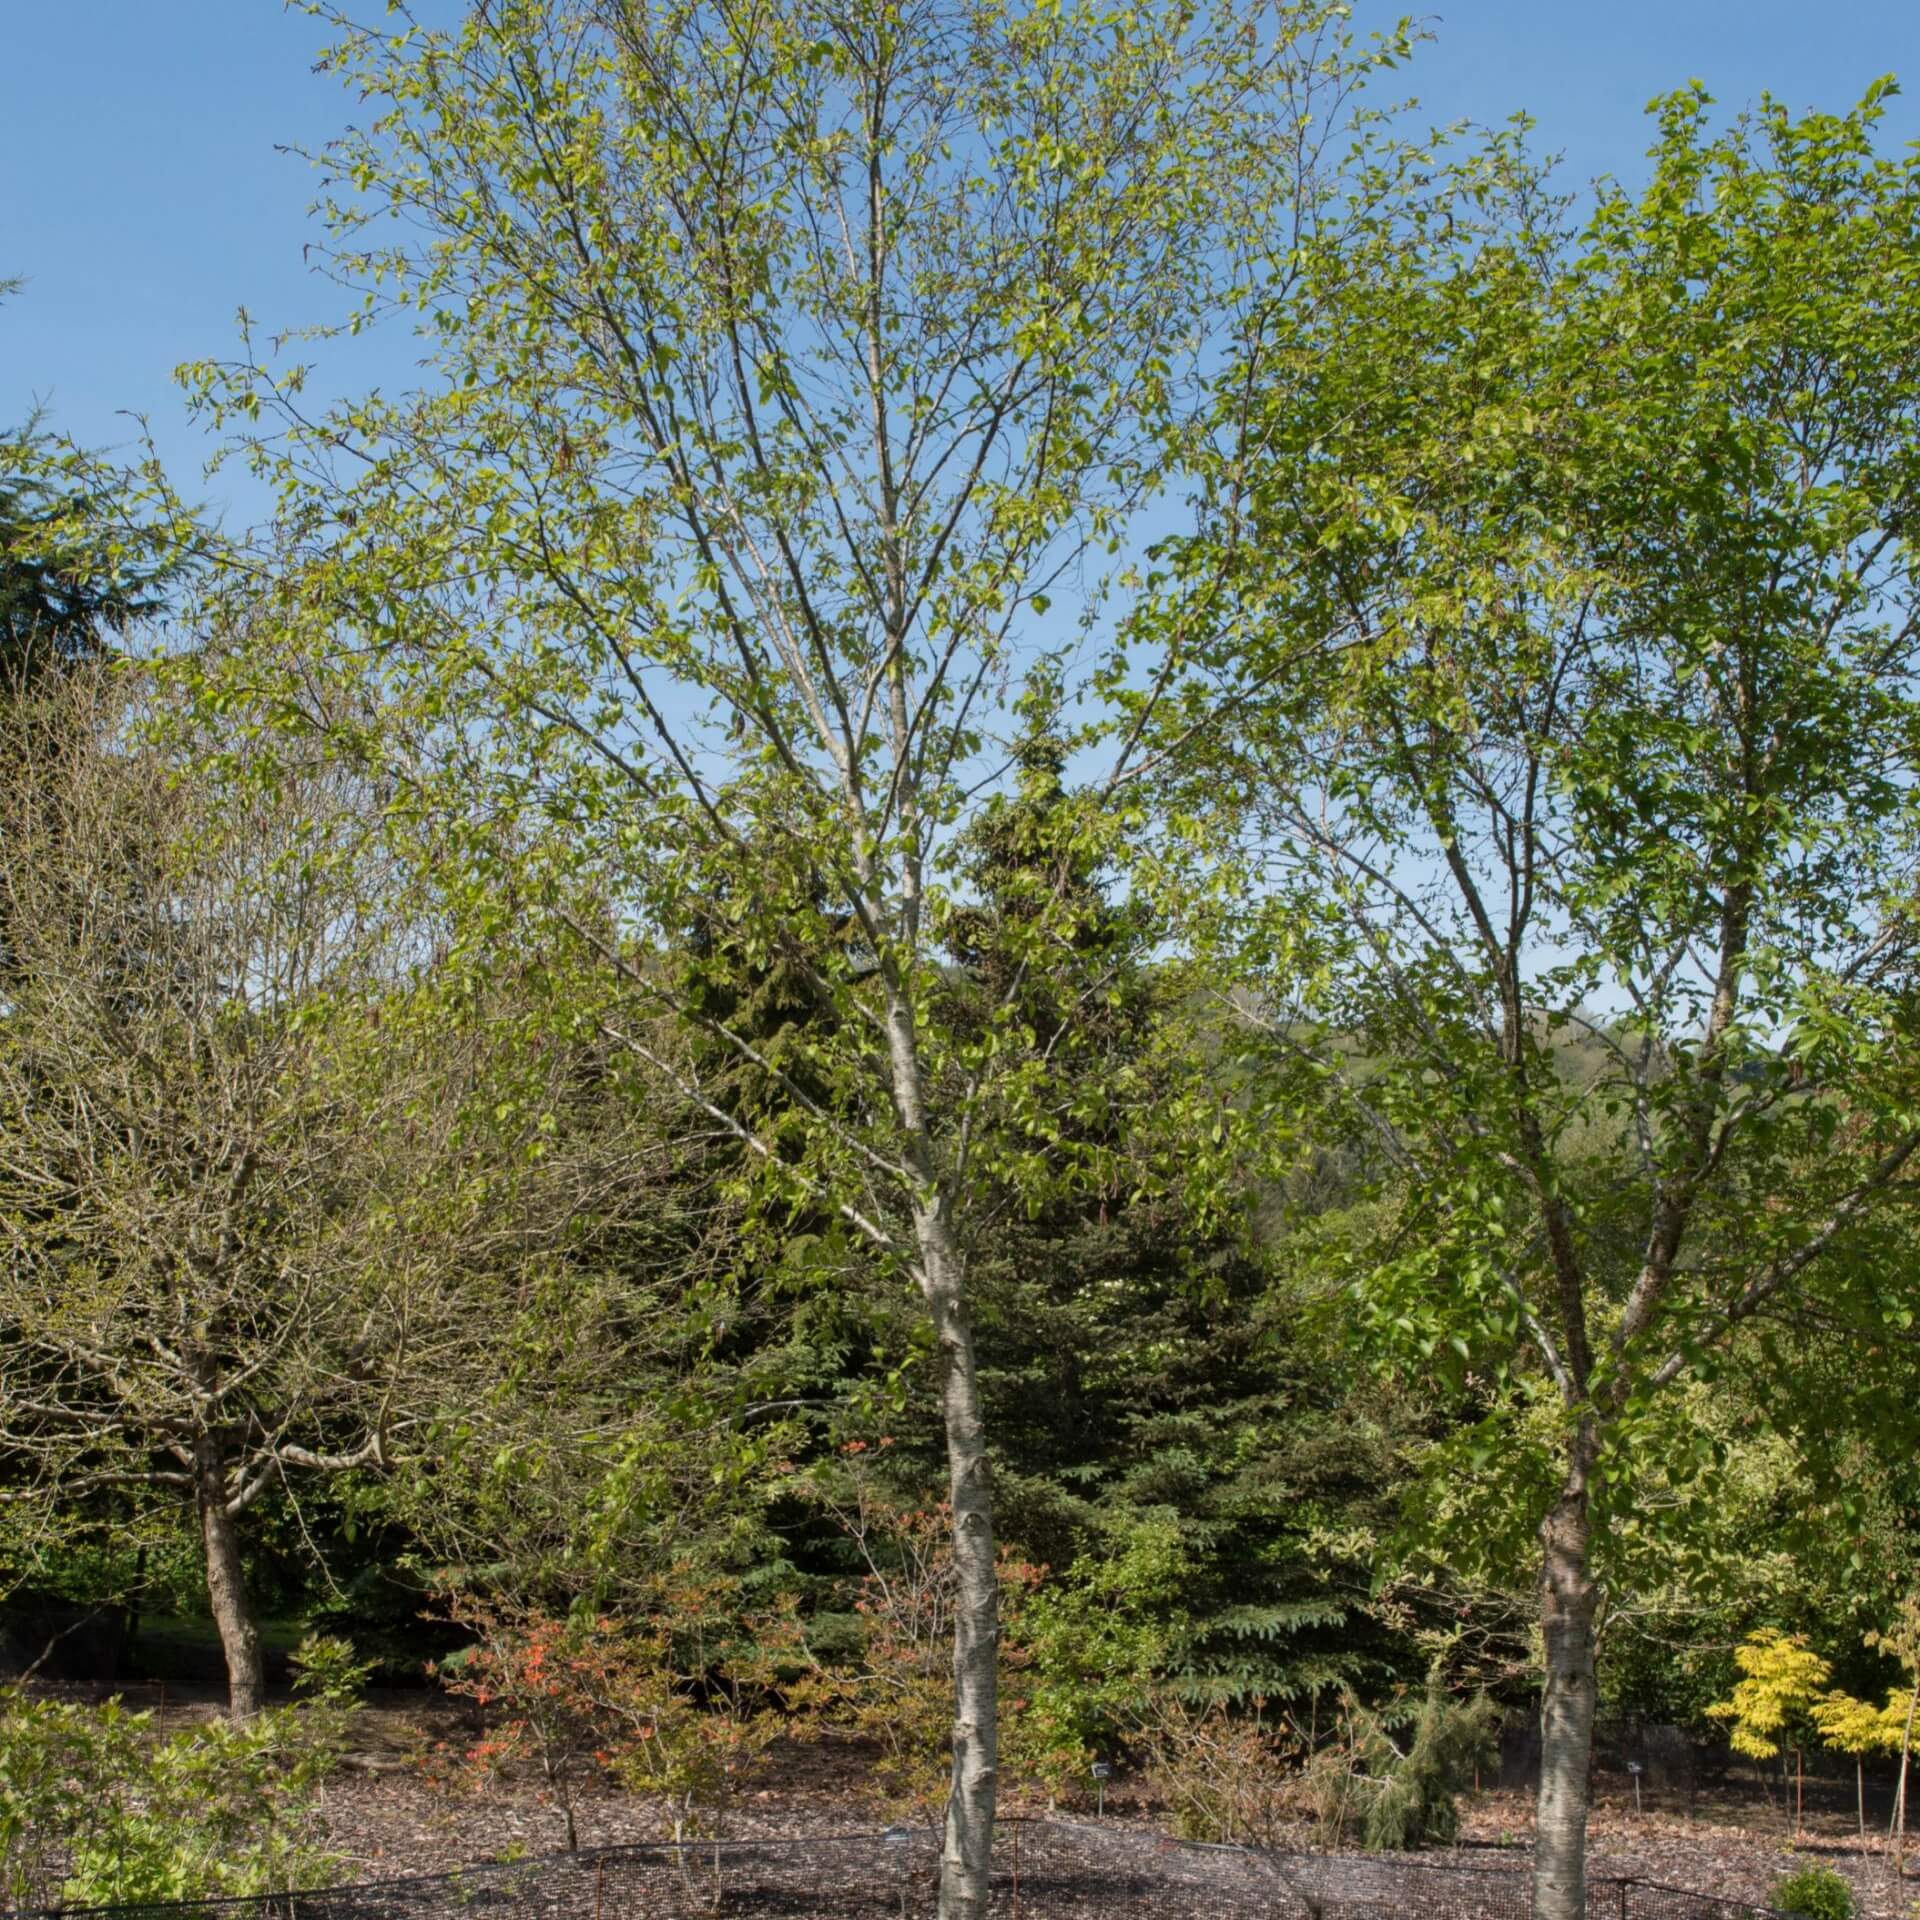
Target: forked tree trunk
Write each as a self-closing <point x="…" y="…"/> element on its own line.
<point x="1568" y="1603"/>
<point x="227" y="1589"/>
<point x="966" y="1860"/>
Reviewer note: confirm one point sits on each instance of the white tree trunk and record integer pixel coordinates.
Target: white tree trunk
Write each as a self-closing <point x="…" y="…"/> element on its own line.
<point x="967" y="1854"/>
<point x="1897" y="1826"/>
<point x="1567" y="1610"/>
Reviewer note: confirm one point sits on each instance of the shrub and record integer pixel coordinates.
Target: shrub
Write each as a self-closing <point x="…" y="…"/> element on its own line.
<point x="679" y="1703"/>
<point x="1417" y="1805"/>
<point x="1221" y="1775"/>
<point x="1784" y="1679"/>
<point x="96" y="1807"/>
<point x="327" y="1670"/>
<point x="724" y="1682"/>
<point x="898" y="1689"/>
<point x="1817" y="1892"/>
<point x="561" y="1697"/>
<point x="1367" y="1787"/>
<point x="1100" y="1639"/>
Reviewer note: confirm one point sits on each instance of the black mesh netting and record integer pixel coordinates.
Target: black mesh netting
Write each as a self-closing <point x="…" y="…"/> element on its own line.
<point x="1044" y="1869"/>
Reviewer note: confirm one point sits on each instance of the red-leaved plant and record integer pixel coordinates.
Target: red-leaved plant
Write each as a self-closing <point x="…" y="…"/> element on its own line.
<point x="679" y="1703"/>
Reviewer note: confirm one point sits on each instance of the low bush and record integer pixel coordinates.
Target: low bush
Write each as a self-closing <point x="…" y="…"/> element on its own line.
<point x="1221" y="1775"/>
<point x="678" y="1702"/>
<point x="327" y="1670"/>
<point x="96" y="1805"/>
<point x="1369" y="1788"/>
<point x="1817" y="1892"/>
<point x="896" y="1689"/>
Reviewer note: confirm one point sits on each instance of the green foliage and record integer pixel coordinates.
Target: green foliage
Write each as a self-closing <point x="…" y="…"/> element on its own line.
<point x="1171" y="1433"/>
<point x="1181" y="1438"/>
<point x="1417" y="1803"/>
<point x="1816" y="1892"/>
<point x="96" y="1805"/>
<point x="326" y="1669"/>
<point x="81" y="558"/>
<point x="1103" y="1637"/>
<point x="1546" y="742"/>
<point x="1368" y="1787"/>
<point x="734" y="504"/>
<point x="1532" y="726"/>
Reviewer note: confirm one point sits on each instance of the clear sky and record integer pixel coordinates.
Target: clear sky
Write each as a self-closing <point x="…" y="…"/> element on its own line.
<point x="143" y="200"/>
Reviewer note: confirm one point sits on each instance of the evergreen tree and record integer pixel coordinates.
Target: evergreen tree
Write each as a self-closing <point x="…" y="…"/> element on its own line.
<point x="1143" y="1375"/>
<point x="70" y="577"/>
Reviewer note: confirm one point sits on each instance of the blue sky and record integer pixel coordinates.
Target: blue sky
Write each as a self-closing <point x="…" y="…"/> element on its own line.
<point x="142" y="198"/>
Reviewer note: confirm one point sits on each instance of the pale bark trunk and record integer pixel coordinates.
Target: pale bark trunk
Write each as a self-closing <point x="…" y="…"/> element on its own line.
<point x="227" y="1591"/>
<point x="966" y="1861"/>
<point x="1897" y="1826"/>
<point x="1568" y="1605"/>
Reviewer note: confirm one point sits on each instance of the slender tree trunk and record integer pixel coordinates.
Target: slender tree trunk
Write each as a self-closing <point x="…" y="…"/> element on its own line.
<point x="1897" y="1826"/>
<point x="966" y="1860"/>
<point x="227" y="1588"/>
<point x="139" y="1593"/>
<point x="1567" y="1610"/>
<point x="562" y="1790"/>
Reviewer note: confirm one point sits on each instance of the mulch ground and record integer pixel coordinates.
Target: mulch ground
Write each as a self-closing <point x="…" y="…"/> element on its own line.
<point x="386" y="1817"/>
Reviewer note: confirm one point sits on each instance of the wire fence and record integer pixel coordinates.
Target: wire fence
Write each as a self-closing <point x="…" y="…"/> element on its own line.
<point x="1043" y="1870"/>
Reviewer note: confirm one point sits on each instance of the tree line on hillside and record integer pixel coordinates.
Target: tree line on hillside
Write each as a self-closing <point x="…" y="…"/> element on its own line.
<point x="1081" y="793"/>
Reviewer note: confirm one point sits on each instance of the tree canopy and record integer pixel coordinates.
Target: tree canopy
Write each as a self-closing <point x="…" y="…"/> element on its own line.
<point x="1071" y="911"/>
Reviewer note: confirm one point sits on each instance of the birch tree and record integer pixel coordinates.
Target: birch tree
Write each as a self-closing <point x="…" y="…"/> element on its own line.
<point x="801" y="364"/>
<point x="1576" y="878"/>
